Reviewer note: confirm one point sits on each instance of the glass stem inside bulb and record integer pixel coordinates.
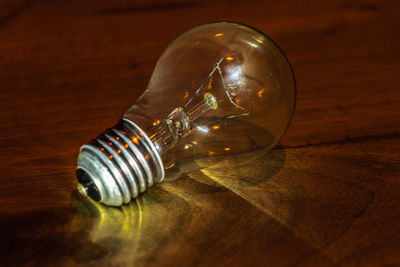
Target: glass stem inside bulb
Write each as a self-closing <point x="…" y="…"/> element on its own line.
<point x="209" y="102"/>
<point x="165" y="133"/>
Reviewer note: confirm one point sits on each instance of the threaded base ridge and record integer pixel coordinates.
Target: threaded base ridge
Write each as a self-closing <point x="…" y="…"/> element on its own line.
<point x="119" y="164"/>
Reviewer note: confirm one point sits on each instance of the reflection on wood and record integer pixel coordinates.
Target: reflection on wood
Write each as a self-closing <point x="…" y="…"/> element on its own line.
<point x="290" y="200"/>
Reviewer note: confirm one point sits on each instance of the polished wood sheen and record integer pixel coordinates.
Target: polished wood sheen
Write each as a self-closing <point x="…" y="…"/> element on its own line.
<point x="328" y="195"/>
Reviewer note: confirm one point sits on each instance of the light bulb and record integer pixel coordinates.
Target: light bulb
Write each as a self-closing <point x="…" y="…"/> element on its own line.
<point x="221" y="94"/>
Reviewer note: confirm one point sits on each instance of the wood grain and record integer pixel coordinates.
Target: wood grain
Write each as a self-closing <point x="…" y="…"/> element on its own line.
<point x="328" y="195"/>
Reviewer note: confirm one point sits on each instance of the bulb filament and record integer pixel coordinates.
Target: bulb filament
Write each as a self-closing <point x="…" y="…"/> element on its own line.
<point x="179" y="123"/>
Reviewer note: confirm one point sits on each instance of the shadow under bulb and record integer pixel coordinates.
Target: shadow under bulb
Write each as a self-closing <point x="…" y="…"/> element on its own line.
<point x="221" y="95"/>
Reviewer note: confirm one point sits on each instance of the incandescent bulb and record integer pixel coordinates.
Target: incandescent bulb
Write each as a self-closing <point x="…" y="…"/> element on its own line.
<point x="221" y="94"/>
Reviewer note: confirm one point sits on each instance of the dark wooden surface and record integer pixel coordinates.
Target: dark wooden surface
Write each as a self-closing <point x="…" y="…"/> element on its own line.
<point x="328" y="195"/>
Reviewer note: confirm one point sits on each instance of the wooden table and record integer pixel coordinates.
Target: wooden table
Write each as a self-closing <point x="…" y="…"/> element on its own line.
<point x="328" y="195"/>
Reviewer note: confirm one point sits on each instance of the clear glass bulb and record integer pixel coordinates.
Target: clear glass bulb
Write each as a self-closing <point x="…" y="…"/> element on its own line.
<point x="221" y="94"/>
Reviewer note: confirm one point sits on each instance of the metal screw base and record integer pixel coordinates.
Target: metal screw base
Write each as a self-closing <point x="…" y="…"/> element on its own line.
<point x="119" y="165"/>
